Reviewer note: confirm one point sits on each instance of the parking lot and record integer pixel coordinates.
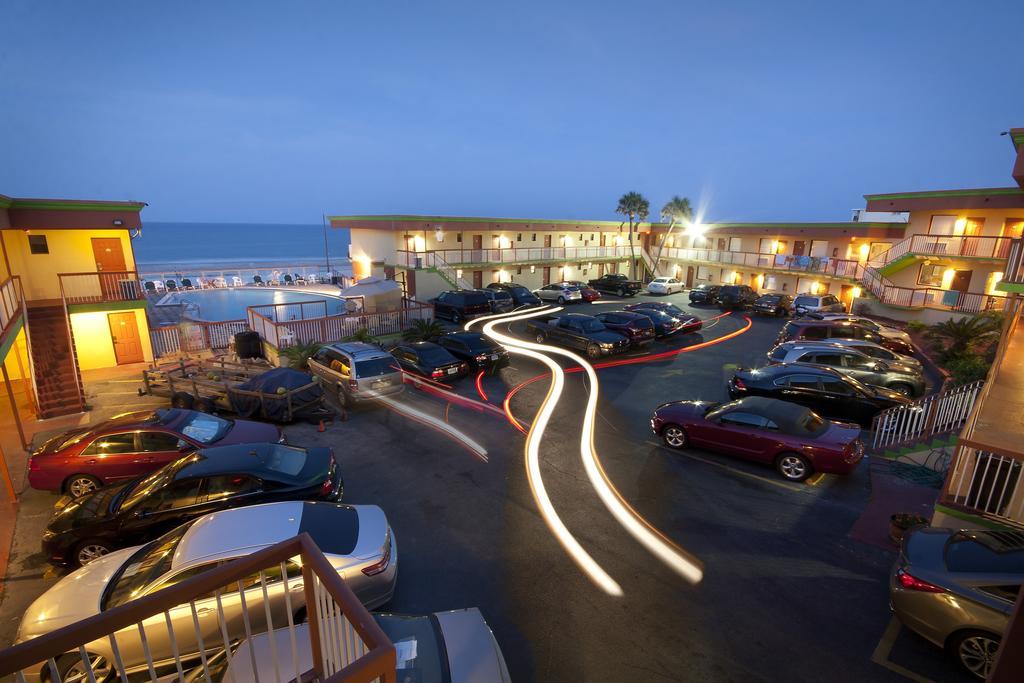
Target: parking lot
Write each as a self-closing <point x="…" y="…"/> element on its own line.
<point x="786" y="593"/>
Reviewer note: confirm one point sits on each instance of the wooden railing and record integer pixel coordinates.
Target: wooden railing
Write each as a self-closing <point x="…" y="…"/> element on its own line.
<point x="345" y="642"/>
<point x="283" y="333"/>
<point x="1015" y="263"/>
<point x="190" y="336"/>
<point x="812" y="265"/>
<point x="11" y="303"/>
<point x="946" y="411"/>
<point x="100" y="287"/>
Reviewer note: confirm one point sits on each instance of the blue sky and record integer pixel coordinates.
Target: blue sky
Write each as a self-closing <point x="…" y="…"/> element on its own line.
<point x="277" y="112"/>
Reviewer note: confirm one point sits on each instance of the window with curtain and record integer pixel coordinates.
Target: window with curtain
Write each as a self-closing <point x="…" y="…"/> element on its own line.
<point x="931" y="275"/>
<point x="942" y="225"/>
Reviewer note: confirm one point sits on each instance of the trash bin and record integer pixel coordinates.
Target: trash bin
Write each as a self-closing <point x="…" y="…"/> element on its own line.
<point x="248" y="344"/>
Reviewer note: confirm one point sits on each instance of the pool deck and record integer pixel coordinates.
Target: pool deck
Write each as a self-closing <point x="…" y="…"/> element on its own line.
<point x="161" y="314"/>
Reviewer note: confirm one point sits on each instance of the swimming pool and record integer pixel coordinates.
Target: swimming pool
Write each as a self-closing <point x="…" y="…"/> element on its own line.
<point x="230" y="303"/>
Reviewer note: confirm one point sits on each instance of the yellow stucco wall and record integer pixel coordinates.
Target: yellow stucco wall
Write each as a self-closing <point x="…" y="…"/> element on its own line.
<point x="93" y="343"/>
<point x="19" y="350"/>
<point x="70" y="252"/>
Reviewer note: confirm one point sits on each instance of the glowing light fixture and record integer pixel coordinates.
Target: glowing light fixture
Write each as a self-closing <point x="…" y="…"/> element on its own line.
<point x="458" y="273"/>
<point x="863" y="251"/>
<point x="960" y="226"/>
<point x="856" y="291"/>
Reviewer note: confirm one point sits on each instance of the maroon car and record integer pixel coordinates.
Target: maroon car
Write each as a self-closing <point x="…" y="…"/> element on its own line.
<point x="587" y="292"/>
<point x="637" y="327"/>
<point x="133" y="444"/>
<point x="791" y="437"/>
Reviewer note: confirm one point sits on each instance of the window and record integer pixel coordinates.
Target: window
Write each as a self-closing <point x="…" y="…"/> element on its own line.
<point x="458" y="237"/>
<point x="829" y="359"/>
<point x="112" y="444"/>
<point x="741" y="419"/>
<point x="846" y="332"/>
<point x="703" y="273"/>
<point x="519" y="237"/>
<point x="859" y="362"/>
<point x="534" y="238"/>
<point x="804" y="382"/>
<point x="942" y="225"/>
<point x="735" y="244"/>
<point x="228" y="485"/>
<point x="156" y="442"/>
<point x="834" y="385"/>
<point x="1008" y="593"/>
<point x="177" y="495"/>
<point x="37" y="244"/>
<point x="814" y="333"/>
<point x="930" y="275"/>
<point x="819" y="248"/>
<point x="984" y="553"/>
<point x="1013" y="227"/>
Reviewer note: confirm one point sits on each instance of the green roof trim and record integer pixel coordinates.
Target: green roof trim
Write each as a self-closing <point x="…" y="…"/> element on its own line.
<point x="1010" y="287"/>
<point x="61" y="205"/>
<point x="106" y="306"/>
<point x="947" y="193"/>
<point x="5" y="201"/>
<point x="1017" y="136"/>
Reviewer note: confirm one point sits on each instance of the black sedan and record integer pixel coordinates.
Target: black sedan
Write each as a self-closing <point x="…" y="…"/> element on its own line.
<point x="779" y="305"/>
<point x="691" y="323"/>
<point x="636" y="326"/>
<point x="85" y="528"/>
<point x="476" y="349"/>
<point x="826" y="391"/>
<point x="429" y="360"/>
<point x="705" y="294"/>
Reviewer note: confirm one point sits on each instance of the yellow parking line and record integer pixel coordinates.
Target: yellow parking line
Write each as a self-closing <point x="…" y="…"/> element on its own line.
<point x="773" y="482"/>
<point x="815" y="478"/>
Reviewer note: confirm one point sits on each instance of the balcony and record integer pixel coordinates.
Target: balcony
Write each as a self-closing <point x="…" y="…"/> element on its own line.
<point x="204" y="627"/>
<point x="101" y="287"/>
<point x="811" y="265"/>
<point x="916" y="247"/>
<point x="513" y="255"/>
<point x="11" y="300"/>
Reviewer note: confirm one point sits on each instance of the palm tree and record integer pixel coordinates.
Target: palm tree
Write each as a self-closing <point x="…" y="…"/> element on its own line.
<point x="423" y="330"/>
<point x="362" y="335"/>
<point x="635" y="208"/>
<point x="962" y="331"/>
<point x="676" y="210"/>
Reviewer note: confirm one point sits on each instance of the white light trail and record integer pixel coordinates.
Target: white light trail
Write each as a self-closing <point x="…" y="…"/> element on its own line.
<point x="430" y="420"/>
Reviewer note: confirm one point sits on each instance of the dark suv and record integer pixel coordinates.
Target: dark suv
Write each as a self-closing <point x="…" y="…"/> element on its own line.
<point x="820" y="330"/>
<point x="704" y="294"/>
<point x="520" y="295"/>
<point x="774" y="304"/>
<point x="736" y="297"/>
<point x="461" y="304"/>
<point x="500" y="300"/>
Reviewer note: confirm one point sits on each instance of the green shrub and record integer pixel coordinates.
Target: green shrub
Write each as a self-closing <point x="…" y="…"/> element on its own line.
<point x="916" y="326"/>
<point x="423" y="330"/>
<point x="362" y="335"/>
<point x="967" y="368"/>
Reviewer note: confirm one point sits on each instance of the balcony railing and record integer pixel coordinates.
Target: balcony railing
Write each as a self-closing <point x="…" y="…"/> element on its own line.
<point x="204" y="617"/>
<point x="11" y="300"/>
<point x="813" y="265"/>
<point x="986" y="483"/>
<point x="1015" y="263"/>
<point x="192" y="336"/>
<point x="426" y="259"/>
<point x="100" y="287"/>
<point x="946" y="245"/>
<point x="281" y="327"/>
<point x="946" y="411"/>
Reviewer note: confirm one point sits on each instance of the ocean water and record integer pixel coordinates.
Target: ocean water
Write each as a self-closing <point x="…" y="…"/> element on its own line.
<point x="191" y="248"/>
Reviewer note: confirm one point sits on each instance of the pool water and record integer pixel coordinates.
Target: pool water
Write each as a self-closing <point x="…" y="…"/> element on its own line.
<point x="230" y="304"/>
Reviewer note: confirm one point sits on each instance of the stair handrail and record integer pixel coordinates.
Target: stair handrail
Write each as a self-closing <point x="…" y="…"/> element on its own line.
<point x="71" y="345"/>
<point x="449" y="272"/>
<point x="942" y="412"/>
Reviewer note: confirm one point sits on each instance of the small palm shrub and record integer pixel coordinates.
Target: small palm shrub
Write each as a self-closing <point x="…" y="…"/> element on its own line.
<point x="298" y="355"/>
<point x="423" y="330"/>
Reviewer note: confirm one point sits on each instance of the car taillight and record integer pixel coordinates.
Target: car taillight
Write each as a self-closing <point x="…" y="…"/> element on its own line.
<point x="912" y="583"/>
<point x="385" y="560"/>
<point x="437" y="373"/>
<point x="327" y="486"/>
<point x="738" y="383"/>
<point x="33" y="465"/>
<point x="482" y="357"/>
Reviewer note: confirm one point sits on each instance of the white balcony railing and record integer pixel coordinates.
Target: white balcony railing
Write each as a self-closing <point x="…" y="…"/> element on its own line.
<point x="946" y="411"/>
<point x="986" y="483"/>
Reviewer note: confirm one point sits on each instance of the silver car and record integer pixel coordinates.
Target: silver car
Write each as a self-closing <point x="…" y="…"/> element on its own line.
<point x="820" y="303"/>
<point x="884" y="331"/>
<point x="356" y="371"/>
<point x="877" y="351"/>
<point x="956" y="588"/>
<point x="357" y="541"/>
<point x="899" y="378"/>
<point x="562" y="292"/>
<point x="459" y="642"/>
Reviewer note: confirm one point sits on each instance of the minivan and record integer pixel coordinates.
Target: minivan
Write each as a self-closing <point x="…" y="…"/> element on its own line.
<point x="736" y="297"/>
<point x="356" y="372"/>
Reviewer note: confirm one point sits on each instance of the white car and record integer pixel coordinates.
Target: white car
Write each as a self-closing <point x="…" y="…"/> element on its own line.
<point x="562" y="292"/>
<point x="664" y="285"/>
<point x="356" y="539"/>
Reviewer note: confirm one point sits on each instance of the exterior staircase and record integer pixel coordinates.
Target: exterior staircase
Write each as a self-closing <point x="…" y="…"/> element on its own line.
<point x="55" y="362"/>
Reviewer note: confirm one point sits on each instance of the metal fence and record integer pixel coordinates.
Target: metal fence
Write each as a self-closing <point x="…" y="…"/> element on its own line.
<point x="283" y="333"/>
<point x="987" y="483"/>
<point x="193" y="337"/>
<point x="946" y="411"/>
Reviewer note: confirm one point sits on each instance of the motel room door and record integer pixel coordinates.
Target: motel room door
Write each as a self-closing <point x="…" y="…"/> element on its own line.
<point x="689" y="277"/>
<point x="478" y="279"/>
<point x="124" y="333"/>
<point x="109" y="257"/>
<point x="961" y="280"/>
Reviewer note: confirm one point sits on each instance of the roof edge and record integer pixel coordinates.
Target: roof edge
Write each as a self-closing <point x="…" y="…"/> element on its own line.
<point x="75" y="205"/>
<point x="927" y="194"/>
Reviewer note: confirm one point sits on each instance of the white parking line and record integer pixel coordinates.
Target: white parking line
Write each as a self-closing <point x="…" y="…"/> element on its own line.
<point x="773" y="482"/>
<point x="881" y="654"/>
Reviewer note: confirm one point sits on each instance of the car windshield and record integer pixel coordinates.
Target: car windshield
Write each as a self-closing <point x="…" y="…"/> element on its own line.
<point x="148" y="564"/>
<point x="154" y="481"/>
<point x="703" y="288"/>
<point x="661" y="279"/>
<point x="415" y="639"/>
<point x="434" y="355"/>
<point x="373" y="367"/>
<point x="769" y="299"/>
<point x="592" y="325"/>
<point x="205" y="428"/>
<point x="805" y="301"/>
<point x="518" y="289"/>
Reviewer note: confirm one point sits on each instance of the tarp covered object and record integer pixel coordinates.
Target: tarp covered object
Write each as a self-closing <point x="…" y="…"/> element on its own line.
<point x="271" y="405"/>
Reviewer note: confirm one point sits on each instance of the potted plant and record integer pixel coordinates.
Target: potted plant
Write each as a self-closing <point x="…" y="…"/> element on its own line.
<point x="901" y="522"/>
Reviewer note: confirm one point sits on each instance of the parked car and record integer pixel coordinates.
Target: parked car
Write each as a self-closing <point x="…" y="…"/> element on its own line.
<point x="704" y="294"/>
<point x="616" y="283"/>
<point x="500" y="300"/>
<point x="85" y="528"/>
<point x="823" y="303"/>
<point x="520" y="294"/>
<point x="791" y="437"/>
<point x="956" y="588"/>
<point x="878" y="351"/>
<point x="459" y="643"/>
<point x="430" y="360"/>
<point x="356" y="539"/>
<point x="808" y="328"/>
<point x="897" y="339"/>
<point x="560" y="292"/>
<point x="474" y="348"/>
<point x="902" y="379"/>
<point x="461" y="304"/>
<point x="822" y="389"/>
<point x="664" y="324"/>
<point x="691" y="323"/>
<point x="80" y="461"/>
<point x="779" y="305"/>
<point x="639" y="328"/>
<point x="586" y="291"/>
<point x="736" y="297"/>
<point x="575" y="331"/>
<point x="356" y="372"/>
<point x="664" y="285"/>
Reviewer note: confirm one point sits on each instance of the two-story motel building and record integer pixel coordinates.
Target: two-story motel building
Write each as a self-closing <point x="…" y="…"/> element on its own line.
<point x="913" y="255"/>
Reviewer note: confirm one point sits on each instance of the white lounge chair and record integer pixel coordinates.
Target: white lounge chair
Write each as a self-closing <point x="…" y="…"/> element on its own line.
<point x="158" y="285"/>
<point x="311" y="278"/>
<point x="220" y="282"/>
<point x="236" y="281"/>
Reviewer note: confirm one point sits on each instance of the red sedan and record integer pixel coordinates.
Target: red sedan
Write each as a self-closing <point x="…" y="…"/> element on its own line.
<point x="586" y="291"/>
<point x="133" y="444"/>
<point x="791" y="437"/>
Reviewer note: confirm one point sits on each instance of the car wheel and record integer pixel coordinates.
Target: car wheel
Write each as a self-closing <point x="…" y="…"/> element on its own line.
<point x="673" y="436"/>
<point x="975" y="651"/>
<point x="182" y="399"/>
<point x="793" y="466"/>
<point x="561" y="300"/>
<point x="78" y="485"/>
<point x="593" y="351"/>
<point x="621" y="292"/>
<point x="342" y="398"/>
<point x="91" y="550"/>
<point x="541" y="338"/>
<point x="71" y="669"/>
<point x="904" y="389"/>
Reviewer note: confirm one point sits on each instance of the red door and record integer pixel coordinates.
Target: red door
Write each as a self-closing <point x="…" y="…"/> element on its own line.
<point x="478" y="279"/>
<point x="547" y="241"/>
<point x="961" y="280"/>
<point x="689" y="277"/>
<point x="798" y="248"/>
<point x="547" y="272"/>
<point x="478" y="241"/>
<point x="124" y="333"/>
